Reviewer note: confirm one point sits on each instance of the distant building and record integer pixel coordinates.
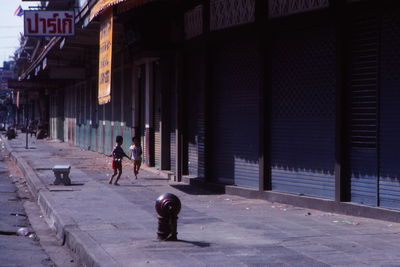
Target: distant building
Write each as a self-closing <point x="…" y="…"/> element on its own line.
<point x="6" y="73"/>
<point x="6" y="94"/>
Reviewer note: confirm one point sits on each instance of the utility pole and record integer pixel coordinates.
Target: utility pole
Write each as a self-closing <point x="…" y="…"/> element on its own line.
<point x="27" y="122"/>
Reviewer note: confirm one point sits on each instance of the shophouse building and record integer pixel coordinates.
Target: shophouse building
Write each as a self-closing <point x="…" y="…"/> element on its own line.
<point x="291" y="101"/>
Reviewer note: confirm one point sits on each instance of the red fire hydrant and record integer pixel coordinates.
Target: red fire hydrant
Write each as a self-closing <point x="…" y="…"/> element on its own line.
<point x="168" y="207"/>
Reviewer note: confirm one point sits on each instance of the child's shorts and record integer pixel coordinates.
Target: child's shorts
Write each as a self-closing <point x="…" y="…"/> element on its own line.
<point x="117" y="164"/>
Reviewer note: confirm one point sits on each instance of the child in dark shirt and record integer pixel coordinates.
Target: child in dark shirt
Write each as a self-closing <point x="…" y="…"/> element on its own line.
<point x="117" y="154"/>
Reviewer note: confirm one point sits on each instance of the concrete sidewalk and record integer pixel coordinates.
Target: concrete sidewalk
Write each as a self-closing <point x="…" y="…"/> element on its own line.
<point x="109" y="225"/>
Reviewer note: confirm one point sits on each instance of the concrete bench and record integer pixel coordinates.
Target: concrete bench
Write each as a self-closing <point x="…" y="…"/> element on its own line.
<point x="64" y="171"/>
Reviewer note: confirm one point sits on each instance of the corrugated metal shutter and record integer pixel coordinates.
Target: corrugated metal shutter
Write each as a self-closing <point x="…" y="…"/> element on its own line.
<point x="194" y="124"/>
<point x="173" y="126"/>
<point x="83" y="116"/>
<point x="389" y="137"/>
<point x="165" y="95"/>
<point x="157" y="114"/>
<point x="70" y="114"/>
<point x="100" y="130"/>
<point x="94" y="115"/>
<point x="66" y="114"/>
<point x="116" y="101"/>
<point x="87" y="116"/>
<point x="52" y="129"/>
<point x="142" y="111"/>
<point x="108" y="132"/>
<point x="173" y="150"/>
<point x="303" y="111"/>
<point x="127" y="108"/>
<point x="235" y="114"/>
<point x="81" y="123"/>
<point x="78" y="114"/>
<point x="74" y="115"/>
<point x="363" y="82"/>
<point x="70" y="101"/>
<point x="60" y="114"/>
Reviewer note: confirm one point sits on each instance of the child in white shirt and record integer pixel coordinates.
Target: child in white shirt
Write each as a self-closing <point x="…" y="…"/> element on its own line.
<point x="136" y="155"/>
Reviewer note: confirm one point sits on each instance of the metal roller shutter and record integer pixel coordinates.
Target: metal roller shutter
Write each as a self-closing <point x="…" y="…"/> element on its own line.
<point x="116" y="101"/>
<point x="100" y="130"/>
<point x="94" y="115"/>
<point x="142" y="112"/>
<point x="101" y="139"/>
<point x="194" y="122"/>
<point x="173" y="125"/>
<point x="235" y="114"/>
<point x="363" y="82"/>
<point x="87" y="116"/>
<point x="389" y="144"/>
<point x="303" y="111"/>
<point x="60" y="115"/>
<point x="79" y="109"/>
<point x="127" y="108"/>
<point x="157" y="114"/>
<point x="109" y="141"/>
<point x="74" y="116"/>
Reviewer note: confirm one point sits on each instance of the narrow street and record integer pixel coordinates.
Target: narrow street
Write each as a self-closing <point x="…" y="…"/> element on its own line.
<point x="107" y="225"/>
<point x="35" y="247"/>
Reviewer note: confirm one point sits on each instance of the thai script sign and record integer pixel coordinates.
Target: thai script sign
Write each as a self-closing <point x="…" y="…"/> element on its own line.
<point x="105" y="59"/>
<point x="49" y="23"/>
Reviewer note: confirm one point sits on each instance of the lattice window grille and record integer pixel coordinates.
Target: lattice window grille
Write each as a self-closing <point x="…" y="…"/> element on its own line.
<point x="229" y="13"/>
<point x="281" y="8"/>
<point x="194" y="22"/>
<point x="304" y="77"/>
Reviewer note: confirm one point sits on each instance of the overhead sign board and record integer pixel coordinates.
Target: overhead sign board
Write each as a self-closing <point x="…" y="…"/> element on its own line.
<point x="105" y="59"/>
<point x="49" y="23"/>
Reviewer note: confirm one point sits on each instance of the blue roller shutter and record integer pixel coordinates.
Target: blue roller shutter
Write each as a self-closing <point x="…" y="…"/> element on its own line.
<point x="389" y="137"/>
<point x="362" y="90"/>
<point x="194" y="109"/>
<point x="303" y="111"/>
<point x="157" y="114"/>
<point x="235" y="113"/>
<point x="142" y="111"/>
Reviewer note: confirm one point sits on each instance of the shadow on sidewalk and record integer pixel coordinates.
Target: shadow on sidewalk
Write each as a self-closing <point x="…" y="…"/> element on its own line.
<point x="195" y="243"/>
<point x="155" y="179"/>
<point x="195" y="190"/>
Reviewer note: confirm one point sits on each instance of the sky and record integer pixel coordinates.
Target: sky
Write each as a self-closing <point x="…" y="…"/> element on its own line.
<point x="10" y="27"/>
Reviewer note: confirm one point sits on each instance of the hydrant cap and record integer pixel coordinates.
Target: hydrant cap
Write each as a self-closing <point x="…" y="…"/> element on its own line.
<point x="168" y="205"/>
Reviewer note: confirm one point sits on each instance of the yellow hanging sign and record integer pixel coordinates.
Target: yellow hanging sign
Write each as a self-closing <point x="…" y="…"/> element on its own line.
<point x="105" y="59"/>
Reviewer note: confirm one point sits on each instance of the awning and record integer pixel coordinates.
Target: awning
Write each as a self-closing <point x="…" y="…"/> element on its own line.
<point x="40" y="58"/>
<point x="40" y="84"/>
<point x="101" y="5"/>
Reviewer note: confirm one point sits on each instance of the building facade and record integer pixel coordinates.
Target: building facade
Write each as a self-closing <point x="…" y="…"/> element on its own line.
<point x="292" y="101"/>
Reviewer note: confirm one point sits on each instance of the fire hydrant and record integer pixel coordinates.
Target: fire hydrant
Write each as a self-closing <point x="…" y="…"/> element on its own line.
<point x="168" y="207"/>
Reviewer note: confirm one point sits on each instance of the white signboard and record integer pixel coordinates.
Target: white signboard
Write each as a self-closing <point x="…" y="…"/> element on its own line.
<point x="49" y="23"/>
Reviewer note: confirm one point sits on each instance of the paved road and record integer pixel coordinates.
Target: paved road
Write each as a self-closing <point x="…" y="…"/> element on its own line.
<point x="16" y="250"/>
<point x="19" y="209"/>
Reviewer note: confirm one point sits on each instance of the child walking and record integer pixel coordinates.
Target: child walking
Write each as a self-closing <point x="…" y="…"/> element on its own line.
<point x="136" y="155"/>
<point x="117" y="154"/>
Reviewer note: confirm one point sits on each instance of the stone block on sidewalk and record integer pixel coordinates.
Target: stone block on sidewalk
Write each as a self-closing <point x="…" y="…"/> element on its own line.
<point x="61" y="172"/>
